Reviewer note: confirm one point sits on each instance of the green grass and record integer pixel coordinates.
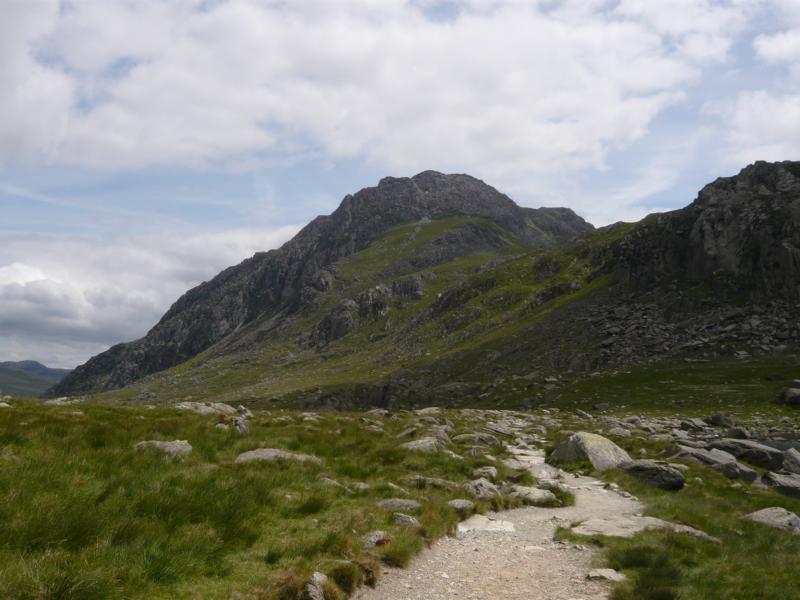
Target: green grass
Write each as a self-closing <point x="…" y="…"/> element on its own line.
<point x="84" y="515"/>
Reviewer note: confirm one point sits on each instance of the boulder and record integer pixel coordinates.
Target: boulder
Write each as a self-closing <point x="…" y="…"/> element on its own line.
<point x="656" y="474"/>
<point x="315" y="587"/>
<point x="429" y="445"/>
<point x="791" y="461"/>
<point x="399" y="504"/>
<point x="405" y="520"/>
<point x="627" y="526"/>
<point x="791" y="395"/>
<point x="736" y="470"/>
<point x="752" y="452"/>
<point x="777" y="517"/>
<point x="482" y="489"/>
<point x="533" y="496"/>
<point x="485" y="472"/>
<point x="240" y="424"/>
<point x="175" y="448"/>
<point x="273" y="454"/>
<point x="721" y="420"/>
<point x="601" y="452"/>
<point x="719" y="460"/>
<point x="375" y="538"/>
<point x="462" y="506"/>
<point x="787" y="484"/>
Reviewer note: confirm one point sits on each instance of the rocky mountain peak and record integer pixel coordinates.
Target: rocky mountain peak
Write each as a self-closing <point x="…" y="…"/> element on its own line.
<point x="273" y="284"/>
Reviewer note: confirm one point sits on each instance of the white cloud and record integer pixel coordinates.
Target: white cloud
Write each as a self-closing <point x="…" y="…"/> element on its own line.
<point x="763" y="126"/>
<point x="504" y="87"/>
<point x="779" y="47"/>
<point x="66" y="299"/>
<point x="702" y="30"/>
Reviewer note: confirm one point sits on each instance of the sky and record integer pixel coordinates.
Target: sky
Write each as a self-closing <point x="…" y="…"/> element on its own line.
<point x="146" y="145"/>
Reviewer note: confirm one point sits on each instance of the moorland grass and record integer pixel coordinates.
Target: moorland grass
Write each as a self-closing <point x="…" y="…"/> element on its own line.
<point x="84" y="515"/>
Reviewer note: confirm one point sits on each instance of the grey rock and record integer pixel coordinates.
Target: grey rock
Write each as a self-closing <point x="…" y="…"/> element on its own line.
<point x="399" y="504"/>
<point x="656" y="474"/>
<point x="777" y="517"/>
<point x="786" y="483"/>
<point x="462" y="506"/>
<point x="375" y="538"/>
<point x="273" y="454"/>
<point x="605" y="575"/>
<point x="736" y="470"/>
<point x="721" y="420"/>
<point x="429" y="445"/>
<point x="533" y="496"/>
<point x="482" y="488"/>
<point x="489" y="473"/>
<point x="627" y="526"/>
<point x="752" y="452"/>
<point x="619" y="431"/>
<point x="315" y="587"/>
<point x="175" y="448"/>
<point x="240" y="424"/>
<point x="405" y="520"/>
<point x="791" y="461"/>
<point x="601" y="452"/>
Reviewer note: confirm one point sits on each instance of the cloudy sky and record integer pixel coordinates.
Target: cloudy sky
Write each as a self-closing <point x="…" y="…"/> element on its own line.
<point x="145" y="145"/>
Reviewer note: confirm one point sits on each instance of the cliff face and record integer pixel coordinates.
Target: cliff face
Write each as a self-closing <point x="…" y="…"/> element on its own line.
<point x="741" y="236"/>
<point x="273" y="283"/>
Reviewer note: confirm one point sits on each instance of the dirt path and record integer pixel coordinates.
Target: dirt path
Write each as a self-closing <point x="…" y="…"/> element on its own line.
<point x="510" y="555"/>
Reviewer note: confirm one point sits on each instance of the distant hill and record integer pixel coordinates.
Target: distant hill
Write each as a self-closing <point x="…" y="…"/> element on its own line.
<point x="28" y="377"/>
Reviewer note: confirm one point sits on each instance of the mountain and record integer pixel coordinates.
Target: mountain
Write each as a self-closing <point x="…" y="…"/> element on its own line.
<point x="437" y="288"/>
<point x="277" y="283"/>
<point x="28" y="378"/>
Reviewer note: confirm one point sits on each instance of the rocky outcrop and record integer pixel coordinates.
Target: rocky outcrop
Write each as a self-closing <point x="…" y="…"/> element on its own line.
<point x="583" y="446"/>
<point x="742" y="233"/>
<point x="279" y="282"/>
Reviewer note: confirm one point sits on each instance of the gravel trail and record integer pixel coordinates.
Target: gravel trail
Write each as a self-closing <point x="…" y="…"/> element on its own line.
<point x="510" y="555"/>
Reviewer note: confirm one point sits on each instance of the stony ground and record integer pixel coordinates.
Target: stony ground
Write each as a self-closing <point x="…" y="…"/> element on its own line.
<point x="511" y="555"/>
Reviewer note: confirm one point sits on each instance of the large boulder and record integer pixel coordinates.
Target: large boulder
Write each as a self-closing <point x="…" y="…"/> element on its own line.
<point x="785" y="483"/>
<point x="583" y="446"/>
<point x="777" y="517"/>
<point x="751" y="451"/>
<point x="653" y="473"/>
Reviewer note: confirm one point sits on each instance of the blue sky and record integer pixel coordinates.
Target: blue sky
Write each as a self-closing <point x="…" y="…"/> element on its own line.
<point x="146" y="145"/>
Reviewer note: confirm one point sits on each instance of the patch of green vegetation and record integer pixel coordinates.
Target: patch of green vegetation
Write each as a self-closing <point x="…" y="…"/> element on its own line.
<point x="85" y="515"/>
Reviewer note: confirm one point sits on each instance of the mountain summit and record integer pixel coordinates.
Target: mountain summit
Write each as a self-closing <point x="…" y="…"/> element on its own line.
<point x="280" y="282"/>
